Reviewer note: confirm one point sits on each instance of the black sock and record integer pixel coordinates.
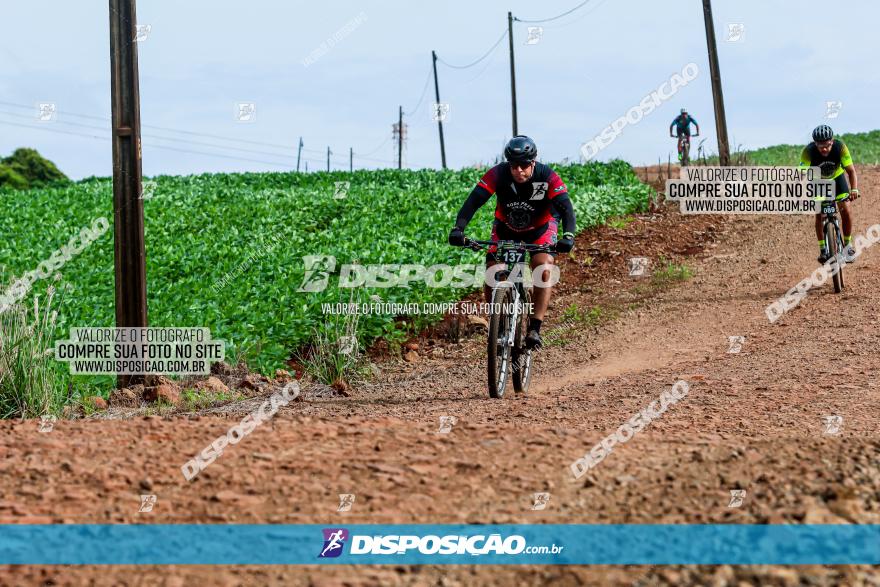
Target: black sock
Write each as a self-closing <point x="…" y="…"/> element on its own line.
<point x="535" y="324"/>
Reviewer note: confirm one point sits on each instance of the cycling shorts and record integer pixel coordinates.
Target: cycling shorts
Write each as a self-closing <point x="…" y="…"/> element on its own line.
<point x="542" y="235"/>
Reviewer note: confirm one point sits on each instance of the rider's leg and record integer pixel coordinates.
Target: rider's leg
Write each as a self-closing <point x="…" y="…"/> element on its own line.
<point x="846" y="217"/>
<point x="823" y="246"/>
<point x="491" y="276"/>
<point x="541" y="295"/>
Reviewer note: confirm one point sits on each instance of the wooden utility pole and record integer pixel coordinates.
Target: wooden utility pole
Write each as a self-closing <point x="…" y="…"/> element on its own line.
<point x="128" y="211"/>
<point x="439" y="122"/>
<point x="328" y="158"/>
<point x="512" y="72"/>
<point x="717" y="95"/>
<point x="299" y="152"/>
<point x="400" y="139"/>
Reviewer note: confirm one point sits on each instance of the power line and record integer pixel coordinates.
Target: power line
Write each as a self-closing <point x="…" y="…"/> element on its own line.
<point x="174" y="140"/>
<point x="486" y="54"/>
<point x="566" y="13"/>
<point x="164" y="147"/>
<point x="422" y="97"/>
<point x="167" y="129"/>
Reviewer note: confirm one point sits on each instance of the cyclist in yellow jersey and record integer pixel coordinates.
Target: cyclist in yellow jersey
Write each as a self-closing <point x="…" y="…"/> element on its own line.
<point x="833" y="158"/>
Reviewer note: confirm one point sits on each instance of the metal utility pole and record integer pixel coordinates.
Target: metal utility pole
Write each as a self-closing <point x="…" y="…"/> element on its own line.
<point x="512" y="72"/>
<point x="717" y="96"/>
<point x="439" y="122"/>
<point x="299" y="152"/>
<point x="328" y="158"/>
<point x="400" y="139"/>
<point x="128" y="211"/>
<point x="351" y="159"/>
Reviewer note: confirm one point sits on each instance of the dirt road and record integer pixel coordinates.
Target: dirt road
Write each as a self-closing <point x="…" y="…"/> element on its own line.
<point x="753" y="420"/>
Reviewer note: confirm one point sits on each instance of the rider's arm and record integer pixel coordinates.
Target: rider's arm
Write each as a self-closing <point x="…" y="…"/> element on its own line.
<point x="474" y="202"/>
<point x="562" y="204"/>
<point x="478" y="196"/>
<point x="696" y="124"/>
<point x="672" y="125"/>
<point x="847" y="163"/>
<point x="805" y="158"/>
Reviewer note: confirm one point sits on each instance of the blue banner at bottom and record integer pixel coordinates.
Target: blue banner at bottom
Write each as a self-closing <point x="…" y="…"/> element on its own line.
<point x="417" y="544"/>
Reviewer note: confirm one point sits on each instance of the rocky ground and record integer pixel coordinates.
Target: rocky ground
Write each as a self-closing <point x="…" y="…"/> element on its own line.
<point x="787" y="413"/>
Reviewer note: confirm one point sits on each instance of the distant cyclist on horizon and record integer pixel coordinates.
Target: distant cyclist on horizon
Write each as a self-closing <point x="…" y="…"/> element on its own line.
<point x="530" y="200"/>
<point x="833" y="158"/>
<point x="682" y="124"/>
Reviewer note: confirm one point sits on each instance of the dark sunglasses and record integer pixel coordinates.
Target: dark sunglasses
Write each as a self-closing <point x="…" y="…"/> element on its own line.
<point x="515" y="165"/>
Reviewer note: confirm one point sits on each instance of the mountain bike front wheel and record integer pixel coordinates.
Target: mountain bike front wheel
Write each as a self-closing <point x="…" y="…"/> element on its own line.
<point x="498" y="348"/>
<point x="834" y="241"/>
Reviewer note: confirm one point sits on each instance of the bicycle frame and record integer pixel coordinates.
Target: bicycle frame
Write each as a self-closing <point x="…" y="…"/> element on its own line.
<point x="833" y="217"/>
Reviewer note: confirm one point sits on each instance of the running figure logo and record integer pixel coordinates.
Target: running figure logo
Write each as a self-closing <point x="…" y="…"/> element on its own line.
<point x="637" y="266"/>
<point x="334" y="541"/>
<point x="832" y="424"/>
<point x="540" y="501"/>
<point x="737" y="496"/>
<point x="346" y="500"/>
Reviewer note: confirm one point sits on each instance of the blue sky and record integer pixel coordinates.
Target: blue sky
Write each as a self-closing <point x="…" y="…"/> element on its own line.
<point x="589" y="68"/>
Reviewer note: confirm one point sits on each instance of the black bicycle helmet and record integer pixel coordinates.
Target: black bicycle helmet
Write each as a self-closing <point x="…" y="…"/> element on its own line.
<point x="521" y="149"/>
<point x="822" y="133"/>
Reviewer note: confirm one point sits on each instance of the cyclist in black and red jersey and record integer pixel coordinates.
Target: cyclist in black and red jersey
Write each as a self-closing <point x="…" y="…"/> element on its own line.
<point x="530" y="201"/>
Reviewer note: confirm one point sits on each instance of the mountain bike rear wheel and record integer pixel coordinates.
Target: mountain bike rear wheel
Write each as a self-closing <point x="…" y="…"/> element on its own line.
<point x="522" y="356"/>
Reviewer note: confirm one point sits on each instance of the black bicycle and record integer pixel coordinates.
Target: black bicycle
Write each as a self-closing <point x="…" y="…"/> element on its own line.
<point x="684" y="149"/>
<point x="834" y="240"/>
<point x="507" y="353"/>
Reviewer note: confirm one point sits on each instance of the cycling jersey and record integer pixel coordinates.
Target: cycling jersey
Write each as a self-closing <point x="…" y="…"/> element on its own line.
<point x="683" y="124"/>
<point x="831" y="165"/>
<point x="521" y="207"/>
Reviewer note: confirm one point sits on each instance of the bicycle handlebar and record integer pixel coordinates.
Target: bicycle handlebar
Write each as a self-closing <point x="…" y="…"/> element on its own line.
<point x="477" y="245"/>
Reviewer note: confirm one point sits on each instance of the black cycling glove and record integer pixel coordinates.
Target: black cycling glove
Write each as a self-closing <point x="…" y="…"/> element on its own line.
<point x="566" y="244"/>
<point x="456" y="237"/>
